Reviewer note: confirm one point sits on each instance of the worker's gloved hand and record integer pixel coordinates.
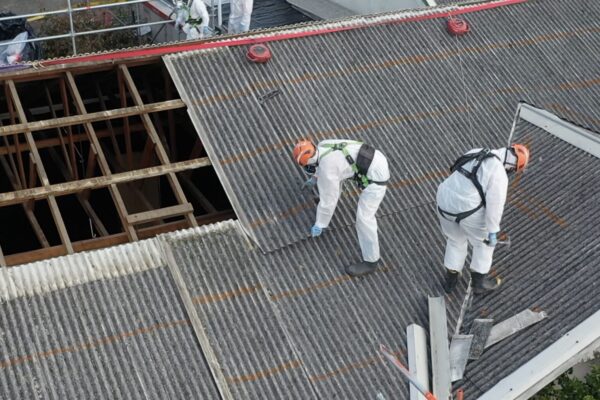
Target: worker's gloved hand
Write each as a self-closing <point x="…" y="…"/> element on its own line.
<point x="310" y="182"/>
<point x="315" y="231"/>
<point x="492" y="239"/>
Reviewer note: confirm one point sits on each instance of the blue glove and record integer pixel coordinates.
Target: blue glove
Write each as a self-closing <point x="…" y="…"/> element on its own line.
<point x="312" y="181"/>
<point x="315" y="231"/>
<point x="492" y="239"/>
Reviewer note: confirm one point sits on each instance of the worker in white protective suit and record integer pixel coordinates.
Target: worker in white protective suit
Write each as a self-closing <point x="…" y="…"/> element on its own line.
<point x="329" y="164"/>
<point x="192" y="19"/>
<point x="239" y="16"/>
<point x="470" y="205"/>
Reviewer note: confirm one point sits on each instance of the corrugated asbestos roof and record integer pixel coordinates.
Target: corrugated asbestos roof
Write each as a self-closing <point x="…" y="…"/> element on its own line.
<point x="417" y="93"/>
<point x="111" y="326"/>
<point x="289" y="323"/>
<point x="553" y="220"/>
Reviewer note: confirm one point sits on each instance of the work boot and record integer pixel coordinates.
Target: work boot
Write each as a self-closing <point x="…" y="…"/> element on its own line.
<point x="362" y="268"/>
<point x="451" y="280"/>
<point x="482" y="283"/>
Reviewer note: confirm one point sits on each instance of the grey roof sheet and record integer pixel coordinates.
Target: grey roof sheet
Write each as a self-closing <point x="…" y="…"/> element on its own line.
<point x="291" y="324"/>
<point x="410" y="89"/>
<point x="552" y="261"/>
<point x="122" y="338"/>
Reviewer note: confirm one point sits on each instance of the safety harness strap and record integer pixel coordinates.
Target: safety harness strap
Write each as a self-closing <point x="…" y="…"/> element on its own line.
<point x="459" y="216"/>
<point x="360" y="167"/>
<point x="472" y="176"/>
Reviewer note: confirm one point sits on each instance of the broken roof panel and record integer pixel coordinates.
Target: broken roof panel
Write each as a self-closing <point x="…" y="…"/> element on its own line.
<point x="410" y="89"/>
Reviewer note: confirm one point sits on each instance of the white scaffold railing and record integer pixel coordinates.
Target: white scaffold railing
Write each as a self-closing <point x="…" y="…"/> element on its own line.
<point x="73" y="34"/>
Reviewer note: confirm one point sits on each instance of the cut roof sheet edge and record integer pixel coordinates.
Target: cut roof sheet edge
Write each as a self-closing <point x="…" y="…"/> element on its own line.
<point x="46" y="276"/>
<point x="75" y="269"/>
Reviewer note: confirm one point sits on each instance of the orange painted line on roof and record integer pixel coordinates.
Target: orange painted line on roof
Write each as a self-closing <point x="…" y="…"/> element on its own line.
<point x="395" y="62"/>
<point x="581" y="84"/>
<point x="258" y="222"/>
<point x="265" y="373"/>
<point x="420" y="116"/>
<point x="538" y="204"/>
<point x="321" y="285"/>
<point x="255" y="152"/>
<point x="213" y="298"/>
<point x="347" y="368"/>
<point x="520" y="205"/>
<point x="305" y="290"/>
<point x="567" y="110"/>
<point x="91" y="344"/>
<point x="419" y="179"/>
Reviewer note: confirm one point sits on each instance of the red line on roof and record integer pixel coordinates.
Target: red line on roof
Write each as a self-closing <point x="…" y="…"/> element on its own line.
<point x="157" y="51"/>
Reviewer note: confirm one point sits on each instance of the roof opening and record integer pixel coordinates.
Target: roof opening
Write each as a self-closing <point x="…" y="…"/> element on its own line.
<point x="96" y="156"/>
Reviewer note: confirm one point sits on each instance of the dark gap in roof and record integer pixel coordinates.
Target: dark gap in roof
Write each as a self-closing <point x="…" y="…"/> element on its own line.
<point x="66" y="155"/>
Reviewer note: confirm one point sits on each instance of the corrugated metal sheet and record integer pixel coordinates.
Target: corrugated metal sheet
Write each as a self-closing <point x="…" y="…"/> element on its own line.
<point x="412" y="90"/>
<point x="99" y="325"/>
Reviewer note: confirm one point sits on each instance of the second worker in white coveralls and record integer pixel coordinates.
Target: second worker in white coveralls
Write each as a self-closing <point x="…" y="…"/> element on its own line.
<point x="470" y="204"/>
<point x="330" y="163"/>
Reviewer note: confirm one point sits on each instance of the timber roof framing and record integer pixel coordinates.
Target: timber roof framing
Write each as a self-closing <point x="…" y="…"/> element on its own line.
<point x="105" y="138"/>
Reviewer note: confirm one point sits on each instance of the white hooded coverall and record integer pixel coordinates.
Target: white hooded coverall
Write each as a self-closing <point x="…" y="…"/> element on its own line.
<point x="332" y="170"/>
<point x="239" y="16"/>
<point x="458" y="194"/>
<point x="185" y="18"/>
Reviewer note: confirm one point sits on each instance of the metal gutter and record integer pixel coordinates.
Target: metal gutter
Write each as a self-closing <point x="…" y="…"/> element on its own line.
<point x="574" y="347"/>
<point x="575" y="135"/>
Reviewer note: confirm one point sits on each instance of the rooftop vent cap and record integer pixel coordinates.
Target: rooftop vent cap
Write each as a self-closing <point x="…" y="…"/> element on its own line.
<point x="457" y="26"/>
<point x="258" y="53"/>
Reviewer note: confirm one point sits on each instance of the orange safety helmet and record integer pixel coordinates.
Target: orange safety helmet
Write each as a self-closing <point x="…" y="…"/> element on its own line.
<point x="522" y="154"/>
<point x="304" y="151"/>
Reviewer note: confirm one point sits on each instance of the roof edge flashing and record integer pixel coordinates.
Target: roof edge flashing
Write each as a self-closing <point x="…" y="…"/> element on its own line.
<point x="577" y="136"/>
<point x="575" y="346"/>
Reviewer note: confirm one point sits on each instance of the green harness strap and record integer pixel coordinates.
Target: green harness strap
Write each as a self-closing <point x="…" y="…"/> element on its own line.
<point x="362" y="179"/>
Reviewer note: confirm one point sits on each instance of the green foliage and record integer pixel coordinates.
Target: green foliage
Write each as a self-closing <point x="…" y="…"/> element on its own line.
<point x="566" y="387"/>
<point x="87" y="21"/>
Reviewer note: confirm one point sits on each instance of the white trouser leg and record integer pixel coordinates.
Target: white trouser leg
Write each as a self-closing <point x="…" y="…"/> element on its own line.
<point x="235" y="16"/>
<point x="366" y="222"/>
<point x="481" y="259"/>
<point x="456" y="245"/>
